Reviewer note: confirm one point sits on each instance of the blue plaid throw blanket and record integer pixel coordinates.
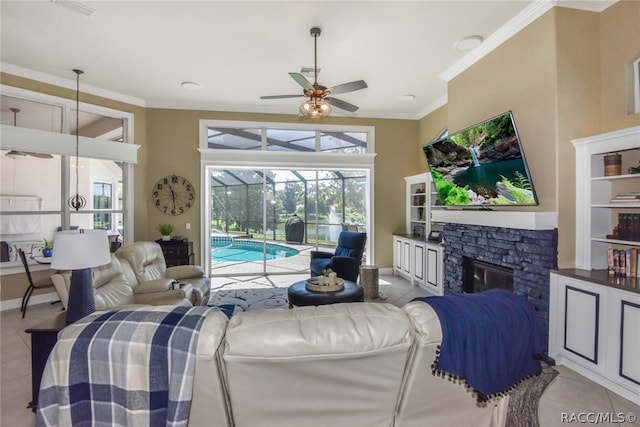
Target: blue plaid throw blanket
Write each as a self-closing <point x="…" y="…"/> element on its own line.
<point x="128" y="367"/>
<point x="490" y="340"/>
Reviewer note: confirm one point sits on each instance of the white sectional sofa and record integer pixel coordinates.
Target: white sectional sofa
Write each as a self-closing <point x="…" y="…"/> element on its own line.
<point x="340" y="365"/>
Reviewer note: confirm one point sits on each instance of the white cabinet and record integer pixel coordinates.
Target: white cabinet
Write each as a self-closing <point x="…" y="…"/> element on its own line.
<point x="593" y="328"/>
<point x="435" y="269"/>
<point x="402" y="256"/>
<point x="415" y="258"/>
<point x="420" y="262"/>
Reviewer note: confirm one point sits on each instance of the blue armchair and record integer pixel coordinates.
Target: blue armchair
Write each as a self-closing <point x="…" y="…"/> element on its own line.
<point x="346" y="259"/>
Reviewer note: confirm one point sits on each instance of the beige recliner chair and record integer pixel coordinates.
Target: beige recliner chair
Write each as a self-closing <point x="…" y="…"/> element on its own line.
<point x="148" y="265"/>
<point x="112" y="290"/>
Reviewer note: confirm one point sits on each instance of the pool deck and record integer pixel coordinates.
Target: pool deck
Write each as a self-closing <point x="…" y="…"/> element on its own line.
<point x="295" y="264"/>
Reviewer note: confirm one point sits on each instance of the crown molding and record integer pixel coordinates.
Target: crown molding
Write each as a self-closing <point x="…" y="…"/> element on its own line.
<point x="504" y="33"/>
<point x="517" y="24"/>
<point x="588" y="5"/>
<point x="26" y="73"/>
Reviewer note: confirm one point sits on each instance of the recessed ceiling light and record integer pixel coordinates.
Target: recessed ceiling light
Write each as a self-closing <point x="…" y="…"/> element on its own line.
<point x="406" y="98"/>
<point x="190" y="85"/>
<point x="468" y="43"/>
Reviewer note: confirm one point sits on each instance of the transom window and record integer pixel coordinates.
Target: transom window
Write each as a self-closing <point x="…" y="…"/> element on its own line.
<point x="274" y="139"/>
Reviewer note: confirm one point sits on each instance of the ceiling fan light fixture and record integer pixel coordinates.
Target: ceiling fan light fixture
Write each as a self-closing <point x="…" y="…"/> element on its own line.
<point x="315" y="108"/>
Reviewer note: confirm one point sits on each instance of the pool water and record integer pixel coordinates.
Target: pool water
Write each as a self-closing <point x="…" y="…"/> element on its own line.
<point x="228" y="249"/>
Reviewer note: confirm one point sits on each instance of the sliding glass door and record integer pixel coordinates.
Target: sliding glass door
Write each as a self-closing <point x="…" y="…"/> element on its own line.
<point x="266" y="221"/>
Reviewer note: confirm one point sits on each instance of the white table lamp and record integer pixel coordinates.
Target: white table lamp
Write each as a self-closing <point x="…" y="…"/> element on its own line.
<point x="79" y="251"/>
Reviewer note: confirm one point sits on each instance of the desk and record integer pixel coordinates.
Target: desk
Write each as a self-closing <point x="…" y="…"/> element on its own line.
<point x="42" y="259"/>
<point x="44" y="336"/>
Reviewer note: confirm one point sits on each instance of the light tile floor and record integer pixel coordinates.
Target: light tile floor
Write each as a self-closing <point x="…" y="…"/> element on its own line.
<point x="569" y="393"/>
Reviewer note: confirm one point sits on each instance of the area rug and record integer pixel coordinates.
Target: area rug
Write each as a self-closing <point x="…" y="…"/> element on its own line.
<point x="524" y="400"/>
<point x="232" y="301"/>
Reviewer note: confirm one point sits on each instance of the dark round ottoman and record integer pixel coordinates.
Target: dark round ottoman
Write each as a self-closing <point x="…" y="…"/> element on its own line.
<point x="299" y="295"/>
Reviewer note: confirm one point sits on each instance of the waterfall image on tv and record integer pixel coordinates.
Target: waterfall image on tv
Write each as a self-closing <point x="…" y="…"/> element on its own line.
<point x="481" y="165"/>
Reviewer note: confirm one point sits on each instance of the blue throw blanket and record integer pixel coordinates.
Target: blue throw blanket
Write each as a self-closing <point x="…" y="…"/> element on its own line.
<point x="128" y="367"/>
<point x="491" y="340"/>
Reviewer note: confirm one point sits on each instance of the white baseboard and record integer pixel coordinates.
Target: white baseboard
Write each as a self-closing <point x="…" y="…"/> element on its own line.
<point x="35" y="299"/>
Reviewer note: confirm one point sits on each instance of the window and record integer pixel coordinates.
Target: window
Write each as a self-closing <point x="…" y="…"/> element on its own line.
<point x="37" y="162"/>
<point x="321" y="173"/>
<point x="293" y="138"/>
<point x="102" y="199"/>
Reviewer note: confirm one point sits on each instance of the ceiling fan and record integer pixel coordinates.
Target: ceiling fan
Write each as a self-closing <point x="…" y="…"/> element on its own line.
<point x="15" y="153"/>
<point x="320" y="97"/>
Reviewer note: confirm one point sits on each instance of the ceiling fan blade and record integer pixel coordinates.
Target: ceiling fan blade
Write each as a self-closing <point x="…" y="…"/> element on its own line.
<point x="302" y="81"/>
<point x="281" y="96"/>
<point x="344" y="105"/>
<point x="40" y="155"/>
<point x="348" y="87"/>
<point x="15" y="153"/>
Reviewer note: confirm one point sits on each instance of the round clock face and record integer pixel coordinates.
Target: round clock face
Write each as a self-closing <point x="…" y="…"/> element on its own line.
<point x="173" y="195"/>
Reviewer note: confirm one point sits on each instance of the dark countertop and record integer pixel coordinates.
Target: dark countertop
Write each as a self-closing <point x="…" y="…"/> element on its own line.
<point x="419" y="239"/>
<point x="601" y="277"/>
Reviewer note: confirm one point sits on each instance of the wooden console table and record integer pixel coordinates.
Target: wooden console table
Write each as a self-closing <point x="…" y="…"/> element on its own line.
<point x="44" y="336"/>
<point x="177" y="252"/>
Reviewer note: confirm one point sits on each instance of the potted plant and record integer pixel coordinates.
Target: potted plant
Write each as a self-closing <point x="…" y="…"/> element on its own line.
<point x="47" y="250"/>
<point x="165" y="230"/>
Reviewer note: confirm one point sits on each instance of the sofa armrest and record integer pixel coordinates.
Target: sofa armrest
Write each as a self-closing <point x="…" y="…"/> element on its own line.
<point x="172" y="297"/>
<point x="158" y="285"/>
<point x="424" y="321"/>
<point x="179" y="272"/>
<point x="320" y="254"/>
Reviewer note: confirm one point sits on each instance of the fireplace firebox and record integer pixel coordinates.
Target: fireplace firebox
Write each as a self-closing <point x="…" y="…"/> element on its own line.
<point x="481" y="276"/>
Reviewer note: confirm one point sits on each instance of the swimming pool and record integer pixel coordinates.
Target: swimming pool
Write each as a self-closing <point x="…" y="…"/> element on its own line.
<point x="228" y="249"/>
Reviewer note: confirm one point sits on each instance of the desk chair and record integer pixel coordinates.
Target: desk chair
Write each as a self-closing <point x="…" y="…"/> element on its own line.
<point x="44" y="282"/>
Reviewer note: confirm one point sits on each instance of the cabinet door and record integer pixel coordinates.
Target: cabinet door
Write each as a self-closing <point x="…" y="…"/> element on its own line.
<point x="432" y="268"/>
<point x="406" y="257"/>
<point x="582" y="322"/>
<point x="419" y="262"/>
<point x="397" y="254"/>
<point x="625" y="308"/>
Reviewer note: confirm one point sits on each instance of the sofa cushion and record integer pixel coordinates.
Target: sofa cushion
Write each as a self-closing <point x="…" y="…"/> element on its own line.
<point x="339" y="364"/>
<point x="146" y="260"/>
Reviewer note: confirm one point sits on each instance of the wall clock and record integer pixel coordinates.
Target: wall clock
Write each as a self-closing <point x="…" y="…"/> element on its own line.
<point x="173" y="195"/>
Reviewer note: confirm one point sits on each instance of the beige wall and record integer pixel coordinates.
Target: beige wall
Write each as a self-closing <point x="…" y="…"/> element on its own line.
<point x="565" y="76"/>
<point x="172" y="149"/>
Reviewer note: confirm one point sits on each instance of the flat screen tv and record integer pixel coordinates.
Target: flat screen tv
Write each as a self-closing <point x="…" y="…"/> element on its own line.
<point x="482" y="166"/>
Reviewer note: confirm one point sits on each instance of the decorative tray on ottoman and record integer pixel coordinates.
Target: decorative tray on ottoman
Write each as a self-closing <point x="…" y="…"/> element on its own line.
<point x="314" y="286"/>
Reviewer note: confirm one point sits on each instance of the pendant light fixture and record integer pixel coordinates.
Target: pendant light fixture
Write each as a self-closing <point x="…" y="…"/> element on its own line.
<point x="76" y="201"/>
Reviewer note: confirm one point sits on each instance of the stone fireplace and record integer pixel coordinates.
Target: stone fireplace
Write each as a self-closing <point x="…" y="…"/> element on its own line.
<point x="528" y="254"/>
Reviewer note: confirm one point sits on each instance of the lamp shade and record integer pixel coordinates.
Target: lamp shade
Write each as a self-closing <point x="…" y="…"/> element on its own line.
<point x="78" y="249"/>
